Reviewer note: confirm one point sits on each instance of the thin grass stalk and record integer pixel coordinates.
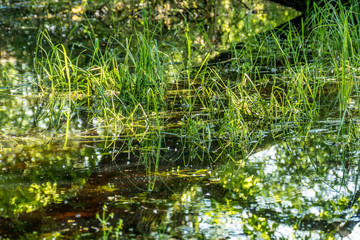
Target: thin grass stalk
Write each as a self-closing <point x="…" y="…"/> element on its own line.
<point x="67" y="71"/>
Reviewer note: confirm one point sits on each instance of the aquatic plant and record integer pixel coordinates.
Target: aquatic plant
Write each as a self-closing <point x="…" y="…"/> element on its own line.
<point x="306" y="65"/>
<point x="139" y="106"/>
<point x="107" y="230"/>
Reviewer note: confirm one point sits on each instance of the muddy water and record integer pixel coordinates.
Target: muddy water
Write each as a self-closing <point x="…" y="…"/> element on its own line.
<point x="299" y="183"/>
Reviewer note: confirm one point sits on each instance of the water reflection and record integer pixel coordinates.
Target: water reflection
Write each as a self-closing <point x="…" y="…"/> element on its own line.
<point x="283" y="191"/>
<point x="280" y="192"/>
<point x="34" y="177"/>
<point x="46" y="189"/>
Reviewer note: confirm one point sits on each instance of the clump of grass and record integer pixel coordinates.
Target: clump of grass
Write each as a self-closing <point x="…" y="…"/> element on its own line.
<point x="131" y="74"/>
<point x="335" y="34"/>
<point x="122" y="82"/>
<point x="308" y="64"/>
<point x="128" y="80"/>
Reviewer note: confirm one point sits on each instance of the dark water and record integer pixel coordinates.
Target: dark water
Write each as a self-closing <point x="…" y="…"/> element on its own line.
<point x="296" y="184"/>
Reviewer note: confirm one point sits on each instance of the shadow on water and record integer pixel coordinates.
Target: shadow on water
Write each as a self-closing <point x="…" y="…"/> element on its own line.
<point x="299" y="182"/>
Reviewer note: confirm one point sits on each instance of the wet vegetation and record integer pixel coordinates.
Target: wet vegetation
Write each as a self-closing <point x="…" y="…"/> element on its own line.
<point x="186" y="119"/>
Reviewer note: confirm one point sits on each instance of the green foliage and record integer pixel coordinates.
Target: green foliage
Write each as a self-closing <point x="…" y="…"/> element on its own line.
<point x="132" y="93"/>
<point x="139" y="74"/>
<point x="108" y="231"/>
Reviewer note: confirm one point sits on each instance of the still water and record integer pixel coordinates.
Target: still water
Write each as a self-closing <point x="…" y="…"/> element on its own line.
<point x="299" y="182"/>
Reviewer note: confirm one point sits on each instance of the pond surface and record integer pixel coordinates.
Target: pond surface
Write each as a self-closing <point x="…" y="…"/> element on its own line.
<point x="297" y="181"/>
